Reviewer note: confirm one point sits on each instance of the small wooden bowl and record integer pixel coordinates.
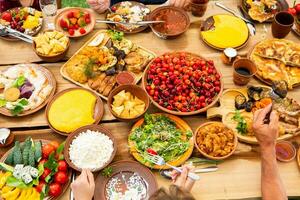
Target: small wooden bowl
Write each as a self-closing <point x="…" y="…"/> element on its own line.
<point x="93" y="127"/>
<point x="216" y="99"/>
<point x="8" y="141"/>
<point x="89" y="28"/>
<point x="52" y="58"/>
<point x="163" y="9"/>
<point x="285" y="147"/>
<point x="98" y="110"/>
<point x="209" y="156"/>
<point x="135" y="91"/>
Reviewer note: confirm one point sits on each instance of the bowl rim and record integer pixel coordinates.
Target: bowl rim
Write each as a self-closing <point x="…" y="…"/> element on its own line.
<point x="180" y="10"/>
<point x="216" y="99"/>
<point x="124" y="87"/>
<point x="93" y="127"/>
<point x="53" y="98"/>
<point x="292" y="148"/>
<point x="204" y="153"/>
<point x="51" y="56"/>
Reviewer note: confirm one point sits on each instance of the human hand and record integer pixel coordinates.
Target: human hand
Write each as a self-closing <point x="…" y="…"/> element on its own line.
<point x="178" y="3"/>
<point x="266" y="134"/>
<point x="182" y="180"/>
<point x="83" y="187"/>
<point x="99" y="6"/>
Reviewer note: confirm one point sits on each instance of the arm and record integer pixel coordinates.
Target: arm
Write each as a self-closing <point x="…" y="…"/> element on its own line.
<point x="271" y="185"/>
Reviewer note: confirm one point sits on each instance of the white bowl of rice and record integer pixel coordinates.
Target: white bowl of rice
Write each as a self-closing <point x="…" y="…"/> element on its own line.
<point x="90" y="147"/>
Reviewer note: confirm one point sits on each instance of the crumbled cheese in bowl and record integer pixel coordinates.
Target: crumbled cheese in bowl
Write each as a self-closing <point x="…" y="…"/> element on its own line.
<point x="90" y="150"/>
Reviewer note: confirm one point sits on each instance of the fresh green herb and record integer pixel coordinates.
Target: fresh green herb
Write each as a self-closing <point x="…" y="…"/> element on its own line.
<point x="242" y="124"/>
<point x="19" y="82"/>
<point x="161" y="134"/>
<point x="116" y="35"/>
<point x="59" y="151"/>
<point x="52" y="165"/>
<point x="19" y="107"/>
<point x="107" y="172"/>
<point x="88" y="70"/>
<point x="2" y="102"/>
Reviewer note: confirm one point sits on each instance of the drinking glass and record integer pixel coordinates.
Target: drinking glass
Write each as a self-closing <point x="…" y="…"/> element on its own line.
<point x="49" y="9"/>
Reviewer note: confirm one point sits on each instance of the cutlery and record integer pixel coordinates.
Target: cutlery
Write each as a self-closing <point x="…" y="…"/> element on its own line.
<point x="140" y="23"/>
<point x="4" y="31"/>
<point x="167" y="173"/>
<point x="158" y="160"/>
<point x="72" y="180"/>
<point x="249" y="24"/>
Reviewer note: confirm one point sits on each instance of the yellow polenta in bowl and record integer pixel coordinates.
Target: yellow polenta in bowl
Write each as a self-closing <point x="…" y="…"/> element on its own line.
<point x="224" y="31"/>
<point x="72" y="109"/>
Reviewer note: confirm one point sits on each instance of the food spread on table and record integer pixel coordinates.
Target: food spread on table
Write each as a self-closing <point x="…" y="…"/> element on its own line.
<point x="51" y="43"/>
<point x="177" y="82"/>
<point x="23" y="88"/>
<point x="34" y="169"/>
<point x="126" y="105"/>
<point x="97" y="63"/>
<point x="160" y="135"/>
<point x="215" y="139"/>
<point x="224" y="31"/>
<point x="71" y="110"/>
<point x="128" y="12"/>
<point x="24" y="19"/>
<point x="277" y="59"/>
<point x="91" y="150"/>
<point x="190" y="84"/>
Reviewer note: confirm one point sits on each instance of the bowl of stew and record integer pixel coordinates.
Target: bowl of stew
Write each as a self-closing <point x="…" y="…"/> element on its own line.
<point x="176" y="22"/>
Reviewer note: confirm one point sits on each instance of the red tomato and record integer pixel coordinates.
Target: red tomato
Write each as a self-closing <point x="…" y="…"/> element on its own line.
<point x="45" y="173"/>
<point x="55" y="189"/>
<point x="62" y="165"/>
<point x="82" y="31"/>
<point x="47" y="150"/>
<point x="292" y="11"/>
<point x="71" y="31"/>
<point x="61" y="177"/>
<point x="151" y="151"/>
<point x="55" y="144"/>
<point x="297" y="7"/>
<point x="113" y="8"/>
<point x="6" y="16"/>
<point x="43" y="161"/>
<point x="70" y="15"/>
<point x="40" y="186"/>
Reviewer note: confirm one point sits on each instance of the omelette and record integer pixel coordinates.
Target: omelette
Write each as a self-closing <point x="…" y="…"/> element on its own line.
<point x="72" y="110"/>
<point x="228" y="31"/>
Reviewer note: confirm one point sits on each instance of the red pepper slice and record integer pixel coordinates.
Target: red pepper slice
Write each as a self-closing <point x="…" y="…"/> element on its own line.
<point x="151" y="151"/>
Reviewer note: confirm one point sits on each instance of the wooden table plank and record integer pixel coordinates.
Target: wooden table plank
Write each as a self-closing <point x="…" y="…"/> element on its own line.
<point x="239" y="175"/>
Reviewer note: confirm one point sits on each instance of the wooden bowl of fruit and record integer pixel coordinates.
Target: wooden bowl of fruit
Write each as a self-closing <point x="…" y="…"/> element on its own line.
<point x="75" y="22"/>
<point x="188" y="85"/>
<point x="128" y="102"/>
<point x="51" y="45"/>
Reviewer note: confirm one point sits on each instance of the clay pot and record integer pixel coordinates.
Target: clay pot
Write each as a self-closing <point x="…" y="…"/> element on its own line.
<point x="282" y="24"/>
<point x="246" y="64"/>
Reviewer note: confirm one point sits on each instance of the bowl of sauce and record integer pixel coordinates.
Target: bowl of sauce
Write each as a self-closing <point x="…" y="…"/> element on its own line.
<point x="285" y="151"/>
<point x="176" y="22"/>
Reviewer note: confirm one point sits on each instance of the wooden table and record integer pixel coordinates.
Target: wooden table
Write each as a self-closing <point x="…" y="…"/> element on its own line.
<point x="238" y="177"/>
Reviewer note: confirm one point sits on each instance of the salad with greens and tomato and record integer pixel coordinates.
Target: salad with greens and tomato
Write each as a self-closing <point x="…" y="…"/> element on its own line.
<point x="159" y="135"/>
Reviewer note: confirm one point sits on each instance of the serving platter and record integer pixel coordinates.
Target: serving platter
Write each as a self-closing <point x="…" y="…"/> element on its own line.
<point x="34" y="31"/>
<point x="121" y="170"/>
<point x="98" y="109"/>
<point x="92" y="127"/>
<point x="138" y="76"/>
<point x="227" y="108"/>
<point x="180" y="124"/>
<point x="281" y="4"/>
<point x="283" y="68"/>
<point x="64" y="188"/>
<point x="208" y="24"/>
<point x="116" y="27"/>
<point x="190" y="56"/>
<point x="51" y="80"/>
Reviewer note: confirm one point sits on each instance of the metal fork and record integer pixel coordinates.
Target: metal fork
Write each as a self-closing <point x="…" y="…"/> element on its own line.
<point x="158" y="160"/>
<point x="140" y="23"/>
